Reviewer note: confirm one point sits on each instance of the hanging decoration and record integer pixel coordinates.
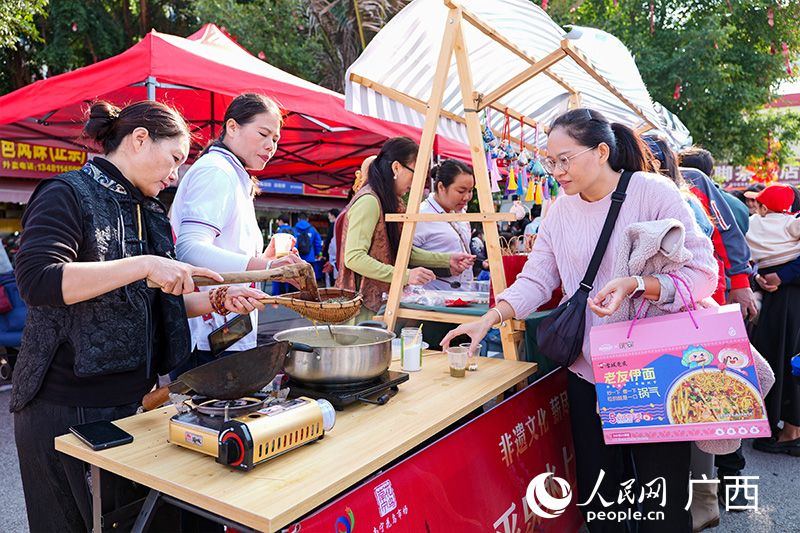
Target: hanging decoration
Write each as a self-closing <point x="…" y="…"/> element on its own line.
<point x="765" y="169"/>
<point x="491" y="146"/>
<point x="770" y="18"/>
<point x="677" y="93"/>
<point x="522" y="159"/>
<point x="506" y="153"/>
<point x="511" y="184"/>
<point x="529" y="197"/>
<point x="652" y="17"/>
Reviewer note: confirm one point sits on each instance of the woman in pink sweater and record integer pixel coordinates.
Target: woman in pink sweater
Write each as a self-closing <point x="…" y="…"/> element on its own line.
<point x="586" y="155"/>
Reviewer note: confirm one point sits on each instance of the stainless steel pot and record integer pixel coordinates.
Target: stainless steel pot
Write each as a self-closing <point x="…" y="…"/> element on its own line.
<point x="315" y="357"/>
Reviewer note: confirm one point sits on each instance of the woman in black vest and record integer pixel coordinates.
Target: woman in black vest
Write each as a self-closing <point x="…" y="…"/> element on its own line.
<point x="96" y="337"/>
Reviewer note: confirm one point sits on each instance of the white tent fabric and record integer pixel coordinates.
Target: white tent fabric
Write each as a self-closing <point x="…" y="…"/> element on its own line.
<point x="605" y="50"/>
<point x="403" y="57"/>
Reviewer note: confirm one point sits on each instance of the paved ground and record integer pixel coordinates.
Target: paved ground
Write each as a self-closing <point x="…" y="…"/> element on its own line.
<point x="778" y="484"/>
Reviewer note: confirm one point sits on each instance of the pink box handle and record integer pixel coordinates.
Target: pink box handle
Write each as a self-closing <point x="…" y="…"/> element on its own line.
<point x="675" y="280"/>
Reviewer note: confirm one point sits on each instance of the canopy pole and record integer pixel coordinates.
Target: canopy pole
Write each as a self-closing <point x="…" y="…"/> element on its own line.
<point x="151" y="84"/>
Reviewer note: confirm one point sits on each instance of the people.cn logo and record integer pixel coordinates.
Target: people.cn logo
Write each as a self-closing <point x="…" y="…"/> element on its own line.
<point x="541" y="502"/>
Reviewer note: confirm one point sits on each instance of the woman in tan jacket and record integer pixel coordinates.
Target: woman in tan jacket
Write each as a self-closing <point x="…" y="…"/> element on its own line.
<point x="370" y="244"/>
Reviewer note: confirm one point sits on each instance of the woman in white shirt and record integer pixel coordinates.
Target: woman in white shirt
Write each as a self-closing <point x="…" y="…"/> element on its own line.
<point x="453" y="184"/>
<point x="213" y="216"/>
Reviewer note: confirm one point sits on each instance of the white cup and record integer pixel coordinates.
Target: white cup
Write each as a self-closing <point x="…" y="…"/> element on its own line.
<point x="283" y="244"/>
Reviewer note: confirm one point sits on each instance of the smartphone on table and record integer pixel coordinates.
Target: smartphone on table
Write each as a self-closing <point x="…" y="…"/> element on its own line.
<point x="101" y="434"/>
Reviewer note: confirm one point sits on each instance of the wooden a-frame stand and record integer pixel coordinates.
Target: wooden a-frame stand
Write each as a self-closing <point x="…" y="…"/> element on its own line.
<point x="511" y="330"/>
<point x="453" y="42"/>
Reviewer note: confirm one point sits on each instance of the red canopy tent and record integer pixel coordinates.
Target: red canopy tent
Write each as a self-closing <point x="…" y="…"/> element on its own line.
<point x="322" y="144"/>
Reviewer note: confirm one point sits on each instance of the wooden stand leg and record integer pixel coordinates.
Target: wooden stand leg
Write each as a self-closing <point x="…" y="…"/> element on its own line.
<point x="421" y="169"/>
<point x="490" y="232"/>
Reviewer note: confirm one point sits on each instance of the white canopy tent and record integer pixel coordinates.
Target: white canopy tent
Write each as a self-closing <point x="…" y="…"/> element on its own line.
<point x="393" y="78"/>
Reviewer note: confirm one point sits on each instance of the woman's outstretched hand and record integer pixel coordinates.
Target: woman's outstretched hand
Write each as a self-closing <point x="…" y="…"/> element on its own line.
<point x="420" y="276"/>
<point x="460" y="262"/>
<point x="476" y="330"/>
<point x="608" y="300"/>
<point x="173" y="276"/>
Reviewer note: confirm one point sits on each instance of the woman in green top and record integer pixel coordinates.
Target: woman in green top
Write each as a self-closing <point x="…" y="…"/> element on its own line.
<point x="370" y="244"/>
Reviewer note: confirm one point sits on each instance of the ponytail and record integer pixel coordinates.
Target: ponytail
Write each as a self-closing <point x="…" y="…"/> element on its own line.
<point x="630" y="152"/>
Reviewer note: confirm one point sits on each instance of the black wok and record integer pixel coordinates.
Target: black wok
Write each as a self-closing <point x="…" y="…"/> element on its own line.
<point x="228" y="378"/>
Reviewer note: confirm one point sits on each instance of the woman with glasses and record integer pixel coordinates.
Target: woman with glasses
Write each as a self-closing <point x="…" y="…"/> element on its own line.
<point x="370" y="244"/>
<point x="586" y="155"/>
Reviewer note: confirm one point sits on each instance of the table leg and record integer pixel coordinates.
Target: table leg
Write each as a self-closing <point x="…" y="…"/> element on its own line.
<point x="146" y="514"/>
<point x="102" y="482"/>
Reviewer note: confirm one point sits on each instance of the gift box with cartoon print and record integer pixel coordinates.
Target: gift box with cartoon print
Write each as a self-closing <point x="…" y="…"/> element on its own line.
<point x="677" y="377"/>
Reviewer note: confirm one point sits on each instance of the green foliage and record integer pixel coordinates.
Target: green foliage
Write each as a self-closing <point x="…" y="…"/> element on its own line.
<point x="76" y="33"/>
<point x="17" y="20"/>
<point x="346" y="27"/>
<point x="278" y="28"/>
<point x="727" y="62"/>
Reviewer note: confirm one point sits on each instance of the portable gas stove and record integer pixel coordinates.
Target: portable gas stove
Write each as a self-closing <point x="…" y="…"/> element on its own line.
<point x="244" y="432"/>
<point x="340" y="395"/>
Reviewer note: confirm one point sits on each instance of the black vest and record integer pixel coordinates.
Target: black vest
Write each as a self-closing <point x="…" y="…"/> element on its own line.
<point x="112" y="332"/>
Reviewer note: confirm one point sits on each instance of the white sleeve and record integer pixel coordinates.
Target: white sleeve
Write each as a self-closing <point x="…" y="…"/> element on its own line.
<point x="195" y="246"/>
<point x="210" y="198"/>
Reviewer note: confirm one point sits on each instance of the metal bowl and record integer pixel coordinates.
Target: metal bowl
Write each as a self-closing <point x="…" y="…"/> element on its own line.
<point x="315" y="357"/>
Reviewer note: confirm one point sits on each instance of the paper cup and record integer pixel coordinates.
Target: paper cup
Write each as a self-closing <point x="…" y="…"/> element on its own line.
<point x="283" y="244"/>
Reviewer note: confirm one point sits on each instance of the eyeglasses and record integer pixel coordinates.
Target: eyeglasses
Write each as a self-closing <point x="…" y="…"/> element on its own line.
<point x="406" y="167"/>
<point x="550" y="164"/>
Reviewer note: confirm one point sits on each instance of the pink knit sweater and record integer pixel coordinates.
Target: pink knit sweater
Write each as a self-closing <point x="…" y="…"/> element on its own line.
<point x="568" y="236"/>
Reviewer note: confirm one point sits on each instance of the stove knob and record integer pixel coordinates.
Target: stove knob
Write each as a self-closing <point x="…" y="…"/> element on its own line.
<point x="231" y="451"/>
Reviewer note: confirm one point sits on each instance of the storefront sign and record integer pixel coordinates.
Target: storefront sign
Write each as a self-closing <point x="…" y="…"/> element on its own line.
<point x="678" y="377"/>
<point x="293" y="187"/>
<point x="739" y="178"/>
<point x="336" y="192"/>
<point x="25" y="160"/>
<point x="474" y="479"/>
<point x="281" y="187"/>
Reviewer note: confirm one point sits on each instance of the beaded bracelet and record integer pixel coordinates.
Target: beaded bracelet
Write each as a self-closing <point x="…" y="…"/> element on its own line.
<point x="217" y="299"/>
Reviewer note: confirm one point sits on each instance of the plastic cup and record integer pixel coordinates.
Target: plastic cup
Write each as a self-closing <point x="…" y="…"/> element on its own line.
<point x="472" y="361"/>
<point x="410" y="349"/>
<point x="457" y="357"/>
<point x="283" y="244"/>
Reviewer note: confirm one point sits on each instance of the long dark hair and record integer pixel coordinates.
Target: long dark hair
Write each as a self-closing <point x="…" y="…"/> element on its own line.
<point x="108" y="125"/>
<point x="590" y="128"/>
<point x="381" y="179"/>
<point x="666" y="158"/>
<point x="446" y="172"/>
<point x="244" y="109"/>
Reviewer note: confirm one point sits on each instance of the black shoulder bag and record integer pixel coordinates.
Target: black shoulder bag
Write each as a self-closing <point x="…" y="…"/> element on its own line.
<point x="560" y="335"/>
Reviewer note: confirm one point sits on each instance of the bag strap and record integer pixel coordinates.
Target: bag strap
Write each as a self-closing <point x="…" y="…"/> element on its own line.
<point x="617" y="197"/>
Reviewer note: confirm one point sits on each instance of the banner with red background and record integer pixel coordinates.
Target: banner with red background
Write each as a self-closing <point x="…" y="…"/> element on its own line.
<point x="472" y="480"/>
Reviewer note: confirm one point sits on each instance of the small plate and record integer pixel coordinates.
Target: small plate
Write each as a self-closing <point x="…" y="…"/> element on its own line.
<point x="396" y="349"/>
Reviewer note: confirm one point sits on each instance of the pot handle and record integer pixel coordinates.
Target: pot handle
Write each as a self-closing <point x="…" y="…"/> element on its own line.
<point x="300" y="347"/>
<point x="373" y="324"/>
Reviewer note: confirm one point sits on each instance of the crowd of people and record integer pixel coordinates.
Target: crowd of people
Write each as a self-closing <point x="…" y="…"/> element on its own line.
<point x="98" y="337"/>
